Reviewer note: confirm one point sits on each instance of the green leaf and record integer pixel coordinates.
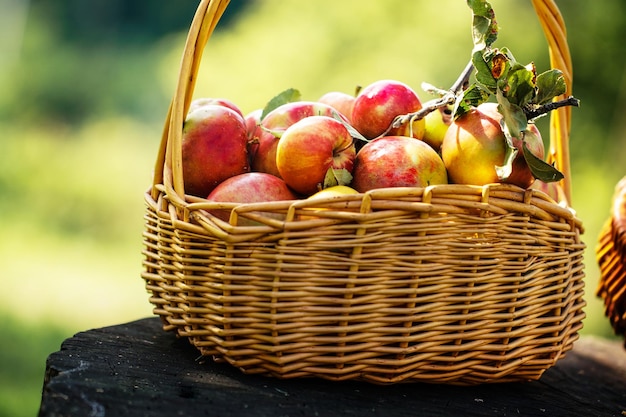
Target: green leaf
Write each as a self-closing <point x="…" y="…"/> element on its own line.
<point x="514" y="120"/>
<point x="472" y="97"/>
<point x="521" y="86"/>
<point x="353" y="132"/>
<point x="550" y="84"/>
<point x="483" y="71"/>
<point x="504" y="171"/>
<point x="540" y="169"/>
<point x="498" y="62"/>
<point x="288" y="96"/>
<point x="336" y="176"/>
<point x="484" y="25"/>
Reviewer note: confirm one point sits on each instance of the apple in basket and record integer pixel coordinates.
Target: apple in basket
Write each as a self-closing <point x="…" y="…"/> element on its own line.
<point x="274" y="124"/>
<point x="214" y="148"/>
<point x="436" y="125"/>
<point x="397" y="161"/>
<point x="253" y="122"/>
<point x="340" y="101"/>
<point x="313" y="148"/>
<point x="379" y="103"/>
<point x="474" y="145"/>
<point x="204" y="101"/>
<point x="250" y="187"/>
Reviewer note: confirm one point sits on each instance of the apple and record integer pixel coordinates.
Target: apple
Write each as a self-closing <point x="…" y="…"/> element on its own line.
<point x="253" y="122"/>
<point x="474" y="145"/>
<point x="214" y="148"/>
<point x="379" y="103"/>
<point x="250" y="187"/>
<point x="204" y="101"/>
<point x="309" y="148"/>
<point x="253" y="130"/>
<point x="552" y="189"/>
<point x="274" y="125"/>
<point x="436" y="125"/>
<point x="340" y="101"/>
<point x="334" y="191"/>
<point x="397" y="161"/>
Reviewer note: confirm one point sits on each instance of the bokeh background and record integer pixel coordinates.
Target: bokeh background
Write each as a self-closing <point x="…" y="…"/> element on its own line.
<point x="84" y="88"/>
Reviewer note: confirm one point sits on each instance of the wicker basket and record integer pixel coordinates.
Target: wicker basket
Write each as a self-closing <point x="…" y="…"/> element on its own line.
<point x="446" y="284"/>
<point x="611" y="258"/>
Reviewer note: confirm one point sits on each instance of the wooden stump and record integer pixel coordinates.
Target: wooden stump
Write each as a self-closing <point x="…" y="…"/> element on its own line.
<point x="139" y="370"/>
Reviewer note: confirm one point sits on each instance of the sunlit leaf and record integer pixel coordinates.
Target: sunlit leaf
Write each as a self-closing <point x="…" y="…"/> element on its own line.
<point x="353" y="132"/>
<point x="521" y="87"/>
<point x="540" y="169"/>
<point x="550" y="84"/>
<point x="483" y="71"/>
<point x="329" y="179"/>
<point x="484" y="25"/>
<point x="335" y="176"/>
<point x="472" y="97"/>
<point x="288" y="96"/>
<point x="513" y="117"/>
<point x="504" y="171"/>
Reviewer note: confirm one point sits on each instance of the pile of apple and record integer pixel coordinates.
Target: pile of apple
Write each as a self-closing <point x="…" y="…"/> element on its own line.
<point x="381" y="136"/>
<point x="301" y="147"/>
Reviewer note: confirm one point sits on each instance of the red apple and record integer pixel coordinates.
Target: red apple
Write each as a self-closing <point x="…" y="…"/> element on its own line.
<point x="552" y="189"/>
<point x="378" y="104"/>
<point x="199" y="102"/>
<point x="474" y="145"/>
<point x="275" y="123"/>
<point x="397" y="161"/>
<point x="340" y="101"/>
<point x="214" y="147"/>
<point x="250" y="187"/>
<point x="521" y="174"/>
<point x="253" y="129"/>
<point x="309" y="148"/>
<point x="253" y="122"/>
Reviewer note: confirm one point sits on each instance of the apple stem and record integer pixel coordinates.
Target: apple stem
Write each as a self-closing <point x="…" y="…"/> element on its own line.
<point x="446" y="99"/>
<point x="532" y="114"/>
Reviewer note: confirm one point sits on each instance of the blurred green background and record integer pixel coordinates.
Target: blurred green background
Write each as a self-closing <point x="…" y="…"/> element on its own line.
<point x="84" y="88"/>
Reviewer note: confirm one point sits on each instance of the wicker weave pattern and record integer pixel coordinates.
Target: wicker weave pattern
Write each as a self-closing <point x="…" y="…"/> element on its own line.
<point x="611" y="258"/>
<point x="451" y="283"/>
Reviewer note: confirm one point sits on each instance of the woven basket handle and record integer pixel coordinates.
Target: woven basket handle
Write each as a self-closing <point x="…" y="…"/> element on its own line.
<point x="168" y="168"/>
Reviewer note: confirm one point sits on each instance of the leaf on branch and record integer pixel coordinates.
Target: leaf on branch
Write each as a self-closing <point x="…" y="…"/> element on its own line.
<point x="288" y="96"/>
<point x="540" y="169"/>
<point x="483" y="74"/>
<point x="505" y="171"/>
<point x="514" y="120"/>
<point x="484" y="25"/>
<point x="472" y="97"/>
<point x="521" y="85"/>
<point x="550" y="84"/>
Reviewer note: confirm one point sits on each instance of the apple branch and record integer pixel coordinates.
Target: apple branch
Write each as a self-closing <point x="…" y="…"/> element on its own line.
<point x="448" y="97"/>
<point x="548" y="107"/>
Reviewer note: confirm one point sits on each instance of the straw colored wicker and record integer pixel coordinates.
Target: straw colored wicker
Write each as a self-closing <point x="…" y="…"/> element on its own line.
<point x="611" y="257"/>
<point x="449" y="284"/>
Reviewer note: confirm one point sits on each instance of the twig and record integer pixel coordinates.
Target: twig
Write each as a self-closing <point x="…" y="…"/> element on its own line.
<point x="430" y="106"/>
<point x="548" y="107"/>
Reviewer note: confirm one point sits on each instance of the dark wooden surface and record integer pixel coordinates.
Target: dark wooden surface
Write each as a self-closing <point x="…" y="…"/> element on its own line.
<point x="138" y="370"/>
